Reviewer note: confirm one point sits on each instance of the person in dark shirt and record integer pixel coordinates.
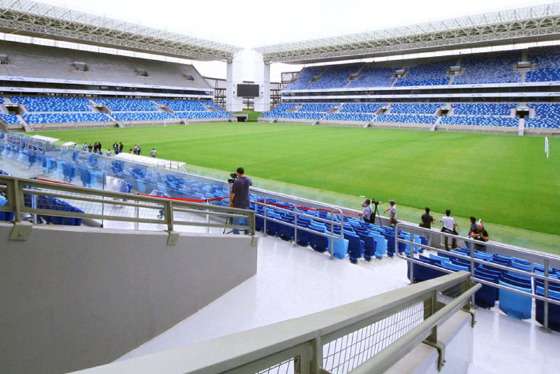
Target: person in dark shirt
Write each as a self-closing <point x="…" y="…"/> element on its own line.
<point x="239" y="196"/>
<point x="473" y="228"/>
<point x="427" y="219"/>
<point x="480" y="235"/>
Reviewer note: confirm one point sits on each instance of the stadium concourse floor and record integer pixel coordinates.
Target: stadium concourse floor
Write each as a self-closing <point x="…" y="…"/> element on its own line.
<point x="295" y="281"/>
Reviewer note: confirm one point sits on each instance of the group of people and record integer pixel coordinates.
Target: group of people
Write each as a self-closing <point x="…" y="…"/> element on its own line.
<point x="137" y="150"/>
<point x="95" y="147"/>
<point x="118" y="147"/>
<point x="476" y="232"/>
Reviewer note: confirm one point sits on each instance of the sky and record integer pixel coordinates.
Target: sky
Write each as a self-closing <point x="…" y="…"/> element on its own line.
<point x="254" y="23"/>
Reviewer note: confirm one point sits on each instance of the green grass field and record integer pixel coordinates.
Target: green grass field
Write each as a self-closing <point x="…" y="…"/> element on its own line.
<point x="504" y="179"/>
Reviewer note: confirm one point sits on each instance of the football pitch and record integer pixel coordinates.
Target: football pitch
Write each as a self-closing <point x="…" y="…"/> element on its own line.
<point x="504" y="179"/>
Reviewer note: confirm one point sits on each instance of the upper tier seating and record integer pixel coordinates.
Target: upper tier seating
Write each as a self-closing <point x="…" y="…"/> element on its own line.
<point x="547" y="66"/>
<point x="43" y="62"/>
<point x="428" y="74"/>
<point x="489" y="69"/>
<point x="374" y="76"/>
<point x="306" y="78"/>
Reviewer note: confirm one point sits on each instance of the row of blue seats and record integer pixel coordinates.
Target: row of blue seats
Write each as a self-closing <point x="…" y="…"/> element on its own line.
<point x="512" y="303"/>
<point x="474" y="69"/>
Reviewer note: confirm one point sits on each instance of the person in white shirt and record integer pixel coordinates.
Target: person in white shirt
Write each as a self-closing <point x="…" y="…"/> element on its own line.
<point x="392" y="210"/>
<point x="366" y="211"/>
<point x="449" y="227"/>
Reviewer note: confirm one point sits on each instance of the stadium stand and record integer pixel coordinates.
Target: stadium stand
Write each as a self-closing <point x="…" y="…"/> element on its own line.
<point x="463" y="114"/>
<point x="59" y="64"/>
<point x="547" y="66"/>
<point x="489" y="69"/>
<point x="547" y="115"/>
<point x="45" y="110"/>
<point x="374" y="76"/>
<point x="427" y="74"/>
<point x="513" y="304"/>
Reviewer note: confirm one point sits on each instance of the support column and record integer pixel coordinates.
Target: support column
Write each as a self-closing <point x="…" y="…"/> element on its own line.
<point x="262" y="103"/>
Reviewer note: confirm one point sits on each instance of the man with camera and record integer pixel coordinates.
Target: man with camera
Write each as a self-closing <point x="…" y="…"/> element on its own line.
<point x="239" y="195"/>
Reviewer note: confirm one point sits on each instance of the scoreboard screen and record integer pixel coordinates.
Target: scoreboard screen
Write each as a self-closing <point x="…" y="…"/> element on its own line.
<point x="247" y="90"/>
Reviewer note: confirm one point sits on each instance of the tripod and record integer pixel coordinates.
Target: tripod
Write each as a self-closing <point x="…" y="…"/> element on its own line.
<point x="375" y="213"/>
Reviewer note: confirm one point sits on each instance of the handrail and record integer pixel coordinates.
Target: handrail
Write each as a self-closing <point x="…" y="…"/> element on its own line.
<point x="329" y="234"/>
<point x="16" y="189"/>
<point x="545" y="260"/>
<point x="306" y="341"/>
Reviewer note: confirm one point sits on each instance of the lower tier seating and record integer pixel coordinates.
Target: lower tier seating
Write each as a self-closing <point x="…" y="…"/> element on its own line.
<point x="542" y="115"/>
<point x="44" y="110"/>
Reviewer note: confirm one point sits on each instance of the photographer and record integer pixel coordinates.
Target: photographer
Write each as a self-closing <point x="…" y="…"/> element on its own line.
<point x="239" y="195"/>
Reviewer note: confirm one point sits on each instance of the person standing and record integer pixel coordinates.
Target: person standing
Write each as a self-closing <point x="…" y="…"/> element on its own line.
<point x="426" y="219"/>
<point x="473" y="227"/>
<point x="449" y="227"/>
<point x="153" y="152"/>
<point x="392" y="210"/>
<point x="121" y="147"/>
<point x="480" y="235"/>
<point x="239" y="197"/>
<point x="367" y="213"/>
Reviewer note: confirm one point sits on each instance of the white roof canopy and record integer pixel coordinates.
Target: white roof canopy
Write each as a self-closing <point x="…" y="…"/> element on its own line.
<point x="41" y="20"/>
<point x="518" y="25"/>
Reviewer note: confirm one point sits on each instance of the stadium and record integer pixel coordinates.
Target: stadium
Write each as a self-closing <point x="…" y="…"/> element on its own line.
<point x="401" y="212"/>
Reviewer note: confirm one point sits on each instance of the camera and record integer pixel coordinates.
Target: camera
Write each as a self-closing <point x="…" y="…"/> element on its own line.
<point x="232" y="178"/>
<point x="375" y="202"/>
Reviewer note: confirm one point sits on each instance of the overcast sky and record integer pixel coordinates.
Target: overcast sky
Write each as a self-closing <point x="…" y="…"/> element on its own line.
<point x="253" y="23"/>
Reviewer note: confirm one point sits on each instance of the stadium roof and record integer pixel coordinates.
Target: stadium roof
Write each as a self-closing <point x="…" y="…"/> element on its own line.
<point x="529" y="24"/>
<point x="41" y="20"/>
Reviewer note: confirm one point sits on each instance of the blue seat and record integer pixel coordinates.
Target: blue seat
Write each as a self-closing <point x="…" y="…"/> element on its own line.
<point x="487" y="296"/>
<point x="340" y="247"/>
<point x="369" y="245"/>
<point x="380" y="245"/>
<point x="318" y="242"/>
<point x="514" y="304"/>
<point x="421" y="273"/>
<point x="355" y="246"/>
<point x="553" y="309"/>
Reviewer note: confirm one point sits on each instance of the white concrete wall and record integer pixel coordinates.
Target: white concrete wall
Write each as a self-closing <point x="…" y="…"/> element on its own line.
<point x="75" y="297"/>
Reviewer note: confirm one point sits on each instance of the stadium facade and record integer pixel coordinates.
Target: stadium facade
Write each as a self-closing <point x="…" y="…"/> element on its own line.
<point x="125" y="262"/>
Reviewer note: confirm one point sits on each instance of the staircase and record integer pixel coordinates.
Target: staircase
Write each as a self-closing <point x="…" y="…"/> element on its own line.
<point x="357" y="74"/>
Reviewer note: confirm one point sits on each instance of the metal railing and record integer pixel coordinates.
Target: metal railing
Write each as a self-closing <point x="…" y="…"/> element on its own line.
<point x="536" y="258"/>
<point x="298" y="215"/>
<point x="24" y="202"/>
<point x="367" y="336"/>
